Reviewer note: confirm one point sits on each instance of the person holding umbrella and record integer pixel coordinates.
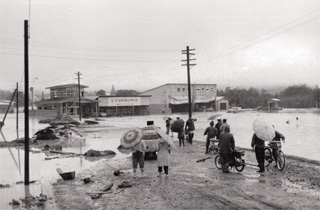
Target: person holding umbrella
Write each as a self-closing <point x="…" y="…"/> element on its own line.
<point x="258" y="145"/>
<point x="132" y="139"/>
<point x="263" y="131"/>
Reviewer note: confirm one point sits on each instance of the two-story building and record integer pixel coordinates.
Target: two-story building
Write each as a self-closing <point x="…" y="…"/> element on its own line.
<point x="66" y="99"/>
<point x="173" y="97"/>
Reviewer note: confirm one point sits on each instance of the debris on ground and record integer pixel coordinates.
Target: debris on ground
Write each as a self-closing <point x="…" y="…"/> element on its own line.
<point x="96" y="153"/>
<point x="126" y="184"/>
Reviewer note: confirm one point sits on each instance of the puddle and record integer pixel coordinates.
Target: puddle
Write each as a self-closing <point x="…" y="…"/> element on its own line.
<point x="299" y="188"/>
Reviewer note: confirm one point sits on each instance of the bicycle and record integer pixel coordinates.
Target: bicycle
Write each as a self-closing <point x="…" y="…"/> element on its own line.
<point x="269" y="156"/>
<point x="238" y="162"/>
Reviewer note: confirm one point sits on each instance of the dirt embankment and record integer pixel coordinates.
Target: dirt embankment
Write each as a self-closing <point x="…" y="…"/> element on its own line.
<point x="193" y="185"/>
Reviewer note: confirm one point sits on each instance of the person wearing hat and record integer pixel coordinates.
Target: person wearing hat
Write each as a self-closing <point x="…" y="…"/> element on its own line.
<point x="211" y="132"/>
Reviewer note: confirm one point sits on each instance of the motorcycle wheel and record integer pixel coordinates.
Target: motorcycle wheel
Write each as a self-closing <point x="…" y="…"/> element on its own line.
<point x="239" y="164"/>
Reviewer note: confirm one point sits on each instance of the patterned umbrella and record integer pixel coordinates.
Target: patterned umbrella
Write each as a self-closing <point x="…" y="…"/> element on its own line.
<point x="263" y="129"/>
<point x="131" y="138"/>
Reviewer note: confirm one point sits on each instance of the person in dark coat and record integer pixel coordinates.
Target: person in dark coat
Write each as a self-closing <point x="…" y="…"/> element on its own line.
<point x="190" y="129"/>
<point x="211" y="132"/>
<point x="218" y="125"/>
<point x="226" y="147"/>
<point x="168" y="125"/>
<point x="258" y="145"/>
<point x="224" y="125"/>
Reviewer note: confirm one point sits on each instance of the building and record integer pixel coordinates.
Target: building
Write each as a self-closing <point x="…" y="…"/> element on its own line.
<point x="65" y="100"/>
<point x="4" y="106"/>
<point x="120" y="106"/>
<point x="222" y="103"/>
<point x="173" y="98"/>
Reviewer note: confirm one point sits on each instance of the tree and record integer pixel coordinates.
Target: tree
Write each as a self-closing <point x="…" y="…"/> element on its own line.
<point x="126" y="92"/>
<point x="101" y="92"/>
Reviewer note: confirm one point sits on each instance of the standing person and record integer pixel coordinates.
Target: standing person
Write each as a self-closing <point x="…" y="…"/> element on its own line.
<point x="168" y="125"/>
<point x="226" y="147"/>
<point x="211" y="132"/>
<point x="274" y="145"/>
<point x="258" y="145"/>
<point x="218" y="125"/>
<point x="181" y="137"/>
<point x="138" y="157"/>
<point x="163" y="160"/>
<point x="224" y="124"/>
<point x="190" y="128"/>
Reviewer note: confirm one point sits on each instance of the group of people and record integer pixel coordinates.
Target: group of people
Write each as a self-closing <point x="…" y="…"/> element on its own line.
<point x="220" y="132"/>
<point x="163" y="159"/>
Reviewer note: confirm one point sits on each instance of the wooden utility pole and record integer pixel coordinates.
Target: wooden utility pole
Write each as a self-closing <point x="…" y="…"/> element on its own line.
<point x="187" y="52"/>
<point x="26" y="103"/>
<point x="17" y="108"/>
<point x="78" y="74"/>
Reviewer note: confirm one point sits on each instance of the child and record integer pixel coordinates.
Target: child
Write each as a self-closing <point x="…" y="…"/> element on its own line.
<point x="163" y="149"/>
<point x="138" y="157"/>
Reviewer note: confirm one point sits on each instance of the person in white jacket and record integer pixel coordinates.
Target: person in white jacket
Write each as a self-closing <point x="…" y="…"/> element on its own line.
<point x="163" y="158"/>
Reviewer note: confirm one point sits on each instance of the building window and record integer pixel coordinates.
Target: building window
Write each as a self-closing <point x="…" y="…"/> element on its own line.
<point x="183" y="90"/>
<point x="198" y="89"/>
<point x="211" y="89"/>
<point x="178" y="89"/>
<point x="207" y="89"/>
<point x="202" y="89"/>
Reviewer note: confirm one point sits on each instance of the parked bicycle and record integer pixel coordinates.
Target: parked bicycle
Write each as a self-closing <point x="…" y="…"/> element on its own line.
<point x="272" y="153"/>
<point x="238" y="162"/>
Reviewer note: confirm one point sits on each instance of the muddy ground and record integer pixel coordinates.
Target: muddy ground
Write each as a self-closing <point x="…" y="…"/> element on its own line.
<point x="192" y="185"/>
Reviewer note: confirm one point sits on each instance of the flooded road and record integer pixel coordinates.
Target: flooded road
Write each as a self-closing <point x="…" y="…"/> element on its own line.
<point x="301" y="140"/>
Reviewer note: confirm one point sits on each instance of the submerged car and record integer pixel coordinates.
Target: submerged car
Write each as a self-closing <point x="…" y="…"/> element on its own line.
<point x="150" y="137"/>
<point x="234" y="110"/>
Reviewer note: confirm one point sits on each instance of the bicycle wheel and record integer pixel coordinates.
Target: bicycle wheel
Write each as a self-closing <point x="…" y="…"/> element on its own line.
<point x="281" y="161"/>
<point x="267" y="157"/>
<point x="239" y="164"/>
<point x="217" y="162"/>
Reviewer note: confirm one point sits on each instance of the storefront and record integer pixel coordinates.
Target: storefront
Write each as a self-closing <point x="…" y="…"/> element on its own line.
<point x="121" y="106"/>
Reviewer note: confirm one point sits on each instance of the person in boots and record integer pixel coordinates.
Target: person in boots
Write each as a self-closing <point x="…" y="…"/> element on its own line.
<point x="226" y="147"/>
<point x="258" y="145"/>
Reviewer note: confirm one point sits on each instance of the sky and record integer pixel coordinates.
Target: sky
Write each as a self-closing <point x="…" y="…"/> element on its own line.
<point x="137" y="44"/>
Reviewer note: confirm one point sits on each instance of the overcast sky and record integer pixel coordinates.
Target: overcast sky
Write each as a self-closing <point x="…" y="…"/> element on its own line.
<point x="137" y="44"/>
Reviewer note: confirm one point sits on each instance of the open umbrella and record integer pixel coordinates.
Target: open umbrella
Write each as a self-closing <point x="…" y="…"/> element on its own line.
<point x="164" y="136"/>
<point x="214" y="116"/>
<point x="131" y="138"/>
<point x="263" y="129"/>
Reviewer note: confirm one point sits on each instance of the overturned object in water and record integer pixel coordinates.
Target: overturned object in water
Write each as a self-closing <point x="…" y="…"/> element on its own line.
<point x="96" y="153"/>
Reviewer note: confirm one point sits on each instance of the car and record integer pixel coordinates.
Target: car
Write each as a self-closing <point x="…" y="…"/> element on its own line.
<point x="150" y="138"/>
<point x="235" y="110"/>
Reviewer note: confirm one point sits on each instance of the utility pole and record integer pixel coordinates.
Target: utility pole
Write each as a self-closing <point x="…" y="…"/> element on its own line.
<point x="17" y="108"/>
<point x="188" y="64"/>
<point x="26" y="103"/>
<point x="78" y="74"/>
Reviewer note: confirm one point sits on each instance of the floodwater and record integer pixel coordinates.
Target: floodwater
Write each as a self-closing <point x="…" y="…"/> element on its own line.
<point x="301" y="129"/>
